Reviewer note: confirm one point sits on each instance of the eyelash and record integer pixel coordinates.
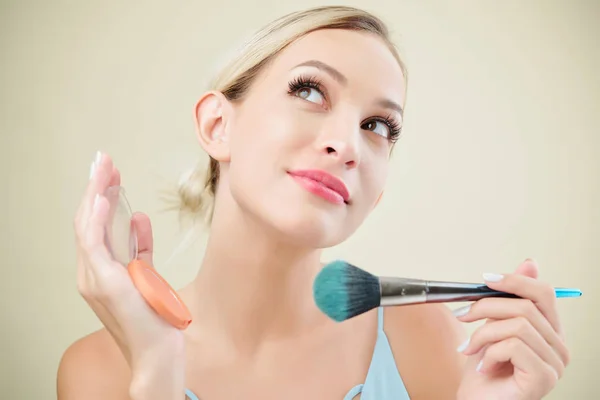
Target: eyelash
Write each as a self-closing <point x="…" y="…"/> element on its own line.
<point x="303" y="82"/>
<point x="392" y="124"/>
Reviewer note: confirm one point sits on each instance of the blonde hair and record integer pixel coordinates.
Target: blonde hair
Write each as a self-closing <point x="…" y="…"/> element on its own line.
<point x="197" y="190"/>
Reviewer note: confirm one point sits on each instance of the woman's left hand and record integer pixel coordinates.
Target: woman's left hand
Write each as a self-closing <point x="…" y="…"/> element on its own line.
<point x="520" y="352"/>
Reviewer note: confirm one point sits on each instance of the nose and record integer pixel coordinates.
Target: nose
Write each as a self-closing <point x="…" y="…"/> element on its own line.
<point x="341" y="143"/>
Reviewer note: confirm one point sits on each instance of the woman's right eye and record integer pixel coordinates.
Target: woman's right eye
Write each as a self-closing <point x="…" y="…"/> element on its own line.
<point x="308" y="88"/>
<point x="310" y="94"/>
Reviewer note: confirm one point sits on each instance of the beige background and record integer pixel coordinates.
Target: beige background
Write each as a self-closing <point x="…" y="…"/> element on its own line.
<point x="500" y="159"/>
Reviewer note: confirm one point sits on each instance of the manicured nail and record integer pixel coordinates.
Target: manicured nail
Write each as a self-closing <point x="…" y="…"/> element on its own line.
<point x="463" y="346"/>
<point x="492" y="277"/>
<point x="459" y="312"/>
<point x="479" y="366"/>
<point x="92" y="169"/>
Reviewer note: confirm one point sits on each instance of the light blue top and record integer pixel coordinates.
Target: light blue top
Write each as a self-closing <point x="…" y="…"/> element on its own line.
<point x="383" y="380"/>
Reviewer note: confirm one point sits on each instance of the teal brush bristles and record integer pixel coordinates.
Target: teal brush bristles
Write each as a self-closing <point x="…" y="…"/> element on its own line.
<point x="342" y="291"/>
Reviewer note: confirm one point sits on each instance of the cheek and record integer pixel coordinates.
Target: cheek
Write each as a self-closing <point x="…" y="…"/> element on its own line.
<point x="261" y="145"/>
<point x="269" y="130"/>
<point x="373" y="179"/>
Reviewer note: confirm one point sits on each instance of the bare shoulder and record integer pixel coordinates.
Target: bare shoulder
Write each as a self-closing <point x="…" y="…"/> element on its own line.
<point x="424" y="339"/>
<point x="93" y="367"/>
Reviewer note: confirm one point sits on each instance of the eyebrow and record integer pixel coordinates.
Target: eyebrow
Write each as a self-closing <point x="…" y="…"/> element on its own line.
<point x="391" y="105"/>
<point x="335" y="74"/>
<point x="341" y="78"/>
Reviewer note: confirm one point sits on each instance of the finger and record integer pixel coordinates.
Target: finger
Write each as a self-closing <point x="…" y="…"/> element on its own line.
<point x="98" y="184"/>
<point x="95" y="230"/>
<point x="98" y="255"/>
<point x="503" y="309"/>
<point x="113" y="192"/>
<point x="143" y="228"/>
<point x="528" y="366"/>
<point x="528" y="268"/>
<point x="115" y="177"/>
<point x="79" y="212"/>
<point x="520" y="328"/>
<point x="526" y="287"/>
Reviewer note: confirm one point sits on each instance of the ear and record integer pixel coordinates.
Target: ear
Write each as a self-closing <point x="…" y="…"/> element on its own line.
<point x="210" y="117"/>
<point x="378" y="200"/>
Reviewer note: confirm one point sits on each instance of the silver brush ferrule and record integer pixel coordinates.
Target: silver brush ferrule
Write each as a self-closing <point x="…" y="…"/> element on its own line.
<point x="402" y="291"/>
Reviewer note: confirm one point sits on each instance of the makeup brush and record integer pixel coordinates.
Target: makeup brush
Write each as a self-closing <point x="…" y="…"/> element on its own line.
<point x="343" y="291"/>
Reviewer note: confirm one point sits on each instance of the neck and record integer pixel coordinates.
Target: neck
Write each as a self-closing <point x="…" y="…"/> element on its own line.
<point x="253" y="287"/>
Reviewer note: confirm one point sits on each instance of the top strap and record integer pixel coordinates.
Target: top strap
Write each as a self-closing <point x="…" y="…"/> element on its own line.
<point x="355" y="391"/>
<point x="189" y="395"/>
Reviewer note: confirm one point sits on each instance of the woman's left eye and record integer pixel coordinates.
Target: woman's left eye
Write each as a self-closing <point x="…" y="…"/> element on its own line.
<point x="310" y="94"/>
<point x="379" y="127"/>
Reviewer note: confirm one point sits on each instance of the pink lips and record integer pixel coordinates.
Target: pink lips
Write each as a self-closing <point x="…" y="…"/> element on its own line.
<point x="322" y="184"/>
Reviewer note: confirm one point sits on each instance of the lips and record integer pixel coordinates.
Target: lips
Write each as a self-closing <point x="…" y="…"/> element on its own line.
<point x="322" y="184"/>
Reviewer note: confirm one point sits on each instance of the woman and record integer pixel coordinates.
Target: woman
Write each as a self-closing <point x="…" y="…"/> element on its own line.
<point x="321" y="90"/>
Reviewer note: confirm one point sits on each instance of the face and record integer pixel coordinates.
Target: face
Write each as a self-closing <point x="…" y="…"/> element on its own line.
<point x="309" y="144"/>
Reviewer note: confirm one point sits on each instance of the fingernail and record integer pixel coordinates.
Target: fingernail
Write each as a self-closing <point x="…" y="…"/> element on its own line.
<point x="92" y="169"/>
<point x="479" y="366"/>
<point x="463" y="346"/>
<point x="98" y="157"/>
<point x="96" y="198"/>
<point x="492" y="277"/>
<point x="459" y="312"/>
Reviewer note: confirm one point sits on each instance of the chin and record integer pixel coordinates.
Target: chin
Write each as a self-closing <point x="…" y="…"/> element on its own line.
<point x="296" y="217"/>
<point x="307" y="226"/>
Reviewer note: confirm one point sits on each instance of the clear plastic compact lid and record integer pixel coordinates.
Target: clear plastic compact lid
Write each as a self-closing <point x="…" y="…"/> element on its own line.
<point x="121" y="242"/>
<point x="120" y="234"/>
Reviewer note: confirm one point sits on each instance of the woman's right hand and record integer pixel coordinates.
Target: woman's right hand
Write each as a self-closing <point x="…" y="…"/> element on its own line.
<point x="153" y="349"/>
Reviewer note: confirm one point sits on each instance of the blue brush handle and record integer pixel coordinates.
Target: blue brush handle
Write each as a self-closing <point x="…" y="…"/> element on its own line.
<point x="567" y="292"/>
